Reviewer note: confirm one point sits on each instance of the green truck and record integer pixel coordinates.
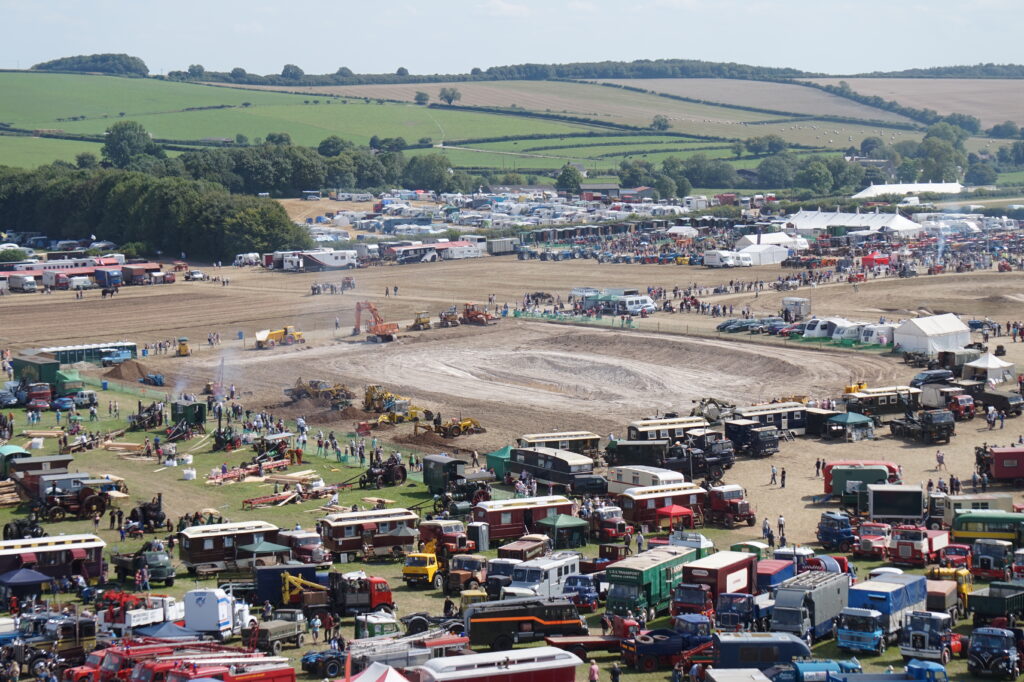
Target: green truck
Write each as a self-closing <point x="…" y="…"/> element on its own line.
<point x="998" y="600"/>
<point x="644" y="583"/>
<point x="848" y="480"/>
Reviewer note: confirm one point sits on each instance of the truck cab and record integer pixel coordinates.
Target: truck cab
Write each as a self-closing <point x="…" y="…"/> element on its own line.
<point x="608" y="524"/>
<point x="916" y="545"/>
<point x="466" y="571"/>
<point x="693" y="598"/>
<point x="727" y="504"/>
<point x="739" y="611"/>
<point x="835" y="532"/>
<point x="499" y="575"/>
<point x="995" y="651"/>
<point x="448" y="534"/>
<point x="928" y="635"/>
<point x="422" y="569"/>
<point x="956" y="556"/>
<point x="586" y="591"/>
<point x="993" y="559"/>
<point x="859" y="630"/>
<point x="873" y="541"/>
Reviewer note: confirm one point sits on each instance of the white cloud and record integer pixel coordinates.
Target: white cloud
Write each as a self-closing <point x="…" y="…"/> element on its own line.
<point x="504" y="8"/>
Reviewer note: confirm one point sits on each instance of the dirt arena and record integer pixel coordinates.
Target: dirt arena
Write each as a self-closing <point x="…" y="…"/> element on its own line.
<point x="525" y="376"/>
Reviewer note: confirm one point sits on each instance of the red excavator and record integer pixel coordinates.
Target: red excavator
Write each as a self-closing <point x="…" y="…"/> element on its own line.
<point x="377" y="330"/>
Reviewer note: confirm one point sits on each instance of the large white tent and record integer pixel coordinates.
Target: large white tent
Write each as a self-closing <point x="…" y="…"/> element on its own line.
<point x="766" y="254"/>
<point x="932" y="334"/>
<point x="775" y="238"/>
<point x="989" y="368"/>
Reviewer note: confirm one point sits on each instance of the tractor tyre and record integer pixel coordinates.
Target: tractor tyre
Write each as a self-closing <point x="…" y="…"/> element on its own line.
<point x="94" y="504"/>
<point x="332" y="668"/>
<point x="502" y="643"/>
<point x="289" y="340"/>
<point x="428" y="415"/>
<point x="400" y="475"/>
<point x="455" y="431"/>
<point x="945" y="656"/>
<point x="716" y="473"/>
<point x="55" y="514"/>
<point x="379" y="482"/>
<point x="751" y="520"/>
<point x="649" y="664"/>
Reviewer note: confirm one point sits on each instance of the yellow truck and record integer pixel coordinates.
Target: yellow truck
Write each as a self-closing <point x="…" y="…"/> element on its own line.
<point x="268" y="338"/>
<point x="422" y="568"/>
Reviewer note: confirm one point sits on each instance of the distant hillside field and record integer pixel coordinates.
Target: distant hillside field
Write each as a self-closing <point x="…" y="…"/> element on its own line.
<point x="763" y="95"/>
<point x="29" y="152"/>
<point x="991" y="100"/>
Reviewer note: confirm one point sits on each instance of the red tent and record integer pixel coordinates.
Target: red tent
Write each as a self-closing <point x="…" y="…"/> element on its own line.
<point x="673" y="512"/>
<point x="873" y="259"/>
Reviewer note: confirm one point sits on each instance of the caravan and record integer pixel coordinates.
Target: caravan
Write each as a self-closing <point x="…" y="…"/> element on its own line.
<point x="877" y="334"/>
<point x="848" y="331"/>
<point x="823" y="328"/>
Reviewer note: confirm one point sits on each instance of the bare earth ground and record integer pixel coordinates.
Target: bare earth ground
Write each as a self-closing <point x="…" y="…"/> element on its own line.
<point x="519" y="376"/>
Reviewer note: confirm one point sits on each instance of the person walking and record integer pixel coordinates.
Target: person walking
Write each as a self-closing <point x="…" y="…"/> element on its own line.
<point x="627" y="538"/>
<point x="774" y="478"/>
<point x="766" y="528"/>
<point x="639" y="541"/>
<point x="940" y="460"/>
<point x="595" y="673"/>
<point x="314" y="628"/>
<point x="817" y="468"/>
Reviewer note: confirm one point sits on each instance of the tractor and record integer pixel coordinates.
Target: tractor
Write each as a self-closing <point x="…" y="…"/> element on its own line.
<point x="184" y="349"/>
<point x="150" y="515"/>
<point x="90" y="499"/>
<point x="472" y="314"/>
<point x="421" y="323"/>
<point x="386" y="474"/>
<point x="448" y="318"/>
<point x="451" y="428"/>
<point x="23" y="529"/>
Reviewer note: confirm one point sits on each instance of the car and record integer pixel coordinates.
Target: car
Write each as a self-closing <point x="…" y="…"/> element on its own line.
<point x="793" y="330"/>
<point x="722" y="325"/>
<point x="741" y="326"/>
<point x="195" y="276"/>
<point x="774" y="327"/>
<point x="64" y="404"/>
<point x="931" y="376"/>
<point x="103" y="246"/>
<point x="38" y="405"/>
<point x="8" y="399"/>
<point x="761" y="327"/>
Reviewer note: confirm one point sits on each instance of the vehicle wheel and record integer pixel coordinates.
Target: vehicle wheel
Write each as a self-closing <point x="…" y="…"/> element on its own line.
<point x="809" y="638"/>
<point x="715" y="473"/>
<point x="649" y="664"/>
<point x="944" y="657"/>
<point x="332" y="668"/>
<point x="751" y="520"/>
<point x="729" y="521"/>
<point x="502" y="643"/>
<point x="169" y="582"/>
<point x="385" y="608"/>
<point x="581" y="653"/>
<point x="56" y="514"/>
<point x="645" y="639"/>
<point x="935" y="525"/>
<point x="881" y="647"/>
<point x="300" y="640"/>
<point x="38" y="666"/>
<point x="455" y="431"/>
<point x="438" y="581"/>
<point x="275" y="647"/>
<point x="417" y="625"/>
<point x="844" y="547"/>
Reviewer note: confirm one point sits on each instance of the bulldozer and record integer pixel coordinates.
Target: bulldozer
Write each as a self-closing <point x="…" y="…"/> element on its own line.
<point x="377" y="330"/>
<point x="472" y="314"/>
<point x="421" y="323"/>
<point x="269" y="338"/>
<point x="393" y="408"/>
<point x="452" y="428"/>
<point x="448" y="318"/>
<point x="338" y="395"/>
<point x="184" y="350"/>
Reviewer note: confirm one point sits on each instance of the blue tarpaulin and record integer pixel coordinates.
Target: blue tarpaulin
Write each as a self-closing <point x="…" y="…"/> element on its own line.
<point x="166" y="630"/>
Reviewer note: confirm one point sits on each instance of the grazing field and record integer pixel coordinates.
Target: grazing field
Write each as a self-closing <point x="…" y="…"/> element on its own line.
<point x="992" y="100"/>
<point x="29" y="152"/>
<point x="575" y="99"/>
<point x="764" y="95"/>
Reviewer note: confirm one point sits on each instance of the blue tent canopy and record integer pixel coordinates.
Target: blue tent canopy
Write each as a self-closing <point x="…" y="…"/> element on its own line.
<point x="23" y="577"/>
<point x="167" y="630"/>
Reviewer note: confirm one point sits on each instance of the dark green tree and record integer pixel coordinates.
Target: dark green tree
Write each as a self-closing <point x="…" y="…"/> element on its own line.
<point x="665" y="187"/>
<point x="429" y="171"/>
<point x="1007" y="129"/>
<point x="569" y="179"/>
<point x="12" y="255"/>
<point x="660" y="122"/>
<point x="449" y="95"/>
<point x="125" y="140"/>
<point x="402" y="71"/>
<point x="333" y="146"/>
<point x="981" y="174"/>
<point x="292" y="72"/>
<point x="421" y="98"/>
<point x="196" y="71"/>
<point x="86" y="160"/>
<point x="279" y="138"/>
<point x="238" y="73"/>
<point x="815" y="177"/>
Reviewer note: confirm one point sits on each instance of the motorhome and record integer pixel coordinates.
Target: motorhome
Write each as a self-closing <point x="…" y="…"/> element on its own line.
<point x="320" y="259"/>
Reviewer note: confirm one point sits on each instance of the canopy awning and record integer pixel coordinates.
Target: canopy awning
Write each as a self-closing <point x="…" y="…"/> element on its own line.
<point x="21" y="577"/>
<point x="850" y="419"/>
<point x="264" y="547"/>
<point x="674" y="511"/>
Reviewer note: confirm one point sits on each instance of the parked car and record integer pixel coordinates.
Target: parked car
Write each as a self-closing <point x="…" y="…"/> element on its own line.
<point x="195" y="276"/>
<point x="38" y="404"/>
<point x="740" y="326"/>
<point x="722" y="325"/>
<point x="773" y="328"/>
<point x="8" y="399"/>
<point x="762" y="325"/>
<point x="64" y="404"/>
<point x="793" y="330"/>
<point x="102" y="245"/>
<point x="931" y="376"/>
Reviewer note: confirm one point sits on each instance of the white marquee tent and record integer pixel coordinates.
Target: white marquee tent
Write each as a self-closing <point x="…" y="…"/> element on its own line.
<point x="989" y="368"/>
<point x="932" y="334"/>
<point x="766" y="254"/>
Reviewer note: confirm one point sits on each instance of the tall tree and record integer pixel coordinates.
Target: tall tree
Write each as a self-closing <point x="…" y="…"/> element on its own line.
<point x="569" y="179"/>
<point x="292" y="72"/>
<point x="421" y="98"/>
<point x="660" y="122"/>
<point x="125" y="140"/>
<point x="449" y="95"/>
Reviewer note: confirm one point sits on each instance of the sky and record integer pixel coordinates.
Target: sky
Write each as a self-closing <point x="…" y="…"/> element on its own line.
<point x="453" y="36"/>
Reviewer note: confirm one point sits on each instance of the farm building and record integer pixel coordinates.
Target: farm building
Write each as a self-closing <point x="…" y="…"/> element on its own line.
<point x="593" y="190"/>
<point x="773" y="238"/>
<point x="811" y="222"/>
<point x="909" y="188"/>
<point x="932" y="334"/>
<point x="766" y="254"/>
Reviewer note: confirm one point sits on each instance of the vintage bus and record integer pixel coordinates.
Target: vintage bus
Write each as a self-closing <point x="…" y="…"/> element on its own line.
<point x="60" y="556"/>
<point x="883" y="400"/>
<point x="992" y="524"/>
<point x="219" y="546"/>
<point x="943" y="508"/>
<point x="791" y="416"/>
<point x="580" y="442"/>
<point x="622" y="478"/>
<point x="556" y="468"/>
<point x="514" y="518"/>
<point x="641" y="505"/>
<point x="350" y="531"/>
<point x="670" y="428"/>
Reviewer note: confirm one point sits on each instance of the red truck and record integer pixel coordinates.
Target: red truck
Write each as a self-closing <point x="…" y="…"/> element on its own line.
<point x="873" y="540"/>
<point x="116" y="662"/>
<point x="607" y="524"/>
<point x="307" y="546"/>
<point x="607" y="554"/>
<point x="722" y="572"/>
<point x="248" y="670"/>
<point x="957" y="556"/>
<point x="728" y="506"/>
<point x="917" y="546"/>
<point x="449" y="536"/>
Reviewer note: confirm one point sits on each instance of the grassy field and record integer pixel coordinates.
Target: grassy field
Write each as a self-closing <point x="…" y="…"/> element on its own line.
<point x="992" y="100"/>
<point x="28" y="152"/>
<point x="576" y="99"/>
<point x="763" y="95"/>
<point x="1014" y="178"/>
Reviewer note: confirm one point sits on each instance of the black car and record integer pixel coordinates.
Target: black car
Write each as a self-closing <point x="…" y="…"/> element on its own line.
<point x="931" y="376"/>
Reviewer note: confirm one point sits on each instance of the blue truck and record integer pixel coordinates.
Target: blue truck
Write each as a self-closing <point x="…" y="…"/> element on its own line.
<point x="108" y="278"/>
<point x="744" y="612"/>
<point x="814" y="670"/>
<point x="876" y="610"/>
<point x="996" y="651"/>
<point x="689" y="641"/>
<point x="920" y="671"/>
<point x="835" y="532"/>
<point x="808" y="605"/>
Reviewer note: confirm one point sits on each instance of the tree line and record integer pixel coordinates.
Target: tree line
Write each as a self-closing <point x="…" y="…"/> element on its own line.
<point x="115" y="64"/>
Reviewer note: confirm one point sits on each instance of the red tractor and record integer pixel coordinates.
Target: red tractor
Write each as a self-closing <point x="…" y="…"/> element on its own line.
<point x="728" y="506"/>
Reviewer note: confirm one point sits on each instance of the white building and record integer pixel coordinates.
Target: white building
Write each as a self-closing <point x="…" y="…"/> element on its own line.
<point x="766" y="254"/>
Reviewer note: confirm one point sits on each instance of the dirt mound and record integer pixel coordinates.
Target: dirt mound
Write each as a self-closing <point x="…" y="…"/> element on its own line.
<point x="129" y="370"/>
<point x="429" y="441"/>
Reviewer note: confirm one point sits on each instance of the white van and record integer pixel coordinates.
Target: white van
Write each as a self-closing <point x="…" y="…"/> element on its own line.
<point x="542" y="577"/>
<point x="85" y="398"/>
<point x="79" y="283"/>
<point x="719" y="259"/>
<point x="634" y="305"/>
<point x="744" y="260"/>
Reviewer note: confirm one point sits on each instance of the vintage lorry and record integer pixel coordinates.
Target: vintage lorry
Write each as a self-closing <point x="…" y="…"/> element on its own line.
<point x="643" y="583"/>
<point x="876" y="610"/>
<point x="998" y="600"/>
<point x="158" y="563"/>
<point x="926" y="426"/>
<point x="270" y="636"/>
<point x="929" y="635"/>
<point x="916" y="545"/>
<point x="808" y="605"/>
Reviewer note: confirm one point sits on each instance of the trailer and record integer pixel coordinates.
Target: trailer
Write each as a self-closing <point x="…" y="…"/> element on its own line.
<point x="748" y="436"/>
<point x="998" y="600"/>
<point x="894" y="503"/>
<point x="876" y="611"/>
<point x="724" y="572"/>
<point x="827" y="471"/>
<point x="643" y="583"/>
<point x="926" y="426"/>
<point x="808" y="605"/>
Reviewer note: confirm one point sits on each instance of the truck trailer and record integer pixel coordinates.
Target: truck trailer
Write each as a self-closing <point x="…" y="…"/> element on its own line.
<point x="807" y="605"/>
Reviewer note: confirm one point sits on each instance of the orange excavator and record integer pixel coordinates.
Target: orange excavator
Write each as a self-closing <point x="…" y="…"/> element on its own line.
<point x="377" y="330"/>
